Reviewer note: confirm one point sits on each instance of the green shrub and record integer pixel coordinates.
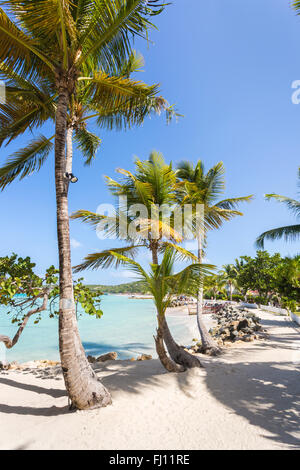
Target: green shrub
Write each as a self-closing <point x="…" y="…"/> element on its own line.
<point x="237" y="297"/>
<point x="289" y="304"/>
<point x="261" y="300"/>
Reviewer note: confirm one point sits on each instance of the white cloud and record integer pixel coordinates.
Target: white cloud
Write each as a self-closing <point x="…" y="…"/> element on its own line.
<point x="74" y="243"/>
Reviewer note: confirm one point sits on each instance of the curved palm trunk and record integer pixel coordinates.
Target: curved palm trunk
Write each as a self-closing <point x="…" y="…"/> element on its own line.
<point x="168" y="363"/>
<point x="209" y="346"/>
<point x="177" y="353"/>
<point x="83" y="387"/>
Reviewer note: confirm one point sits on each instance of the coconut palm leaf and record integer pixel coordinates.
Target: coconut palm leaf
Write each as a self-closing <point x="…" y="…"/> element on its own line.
<point x="19" y="51"/>
<point x="181" y="253"/>
<point x="108" y="27"/>
<point x="197" y="187"/>
<point x="289" y="233"/>
<point x="292" y="204"/>
<point x="23" y="162"/>
<point x="232" y="203"/>
<point x="105" y="259"/>
<point x="88" y="143"/>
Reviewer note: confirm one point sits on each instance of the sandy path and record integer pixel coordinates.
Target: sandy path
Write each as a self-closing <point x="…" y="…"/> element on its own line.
<point x="248" y="399"/>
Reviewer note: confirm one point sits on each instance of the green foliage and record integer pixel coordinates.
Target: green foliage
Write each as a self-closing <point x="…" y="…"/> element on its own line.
<point x="258" y="273"/>
<point x="138" y="287"/>
<point x="90" y="43"/>
<point x="88" y="299"/>
<point x="161" y="280"/>
<point x="237" y="297"/>
<point x="261" y="300"/>
<point x="22" y="290"/>
<point x="289" y="305"/>
<point x="272" y="276"/>
<point x="197" y="187"/>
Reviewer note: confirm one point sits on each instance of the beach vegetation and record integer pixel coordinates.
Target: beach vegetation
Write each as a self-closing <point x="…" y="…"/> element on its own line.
<point x="205" y="188"/>
<point x="25" y="294"/>
<point x="163" y="284"/>
<point x="70" y="47"/>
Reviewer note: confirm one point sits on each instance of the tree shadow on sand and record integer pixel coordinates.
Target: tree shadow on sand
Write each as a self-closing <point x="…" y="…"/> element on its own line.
<point x="29" y="410"/>
<point x="267" y="394"/>
<point x="134" y="377"/>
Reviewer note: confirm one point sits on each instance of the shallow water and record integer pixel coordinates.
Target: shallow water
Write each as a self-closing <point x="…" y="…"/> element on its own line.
<point x="127" y="327"/>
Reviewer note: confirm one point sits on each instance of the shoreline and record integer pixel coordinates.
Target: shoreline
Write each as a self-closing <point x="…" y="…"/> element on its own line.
<point x="248" y="398"/>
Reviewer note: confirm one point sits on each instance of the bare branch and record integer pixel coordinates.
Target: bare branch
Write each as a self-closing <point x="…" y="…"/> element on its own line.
<point x="9" y="343"/>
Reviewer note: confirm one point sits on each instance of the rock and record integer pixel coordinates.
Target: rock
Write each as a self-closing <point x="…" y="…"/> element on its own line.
<point x="243" y="324"/>
<point x="248" y="338"/>
<point x="235" y="325"/>
<point x="91" y="359"/>
<point x="111" y="356"/>
<point x="144" y="357"/>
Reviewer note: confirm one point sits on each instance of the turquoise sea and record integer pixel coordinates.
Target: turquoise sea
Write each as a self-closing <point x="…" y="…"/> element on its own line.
<point x="127" y="326"/>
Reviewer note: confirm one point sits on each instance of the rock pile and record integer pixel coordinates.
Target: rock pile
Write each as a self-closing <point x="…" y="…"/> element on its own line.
<point x="144" y="357"/>
<point x="111" y="356"/>
<point x="236" y="324"/>
<point x="38" y="364"/>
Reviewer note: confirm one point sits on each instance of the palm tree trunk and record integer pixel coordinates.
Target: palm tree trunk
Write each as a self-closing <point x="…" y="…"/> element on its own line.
<point x="69" y="150"/>
<point x="83" y="387"/>
<point x="208" y="345"/>
<point x="177" y="353"/>
<point x="167" y="362"/>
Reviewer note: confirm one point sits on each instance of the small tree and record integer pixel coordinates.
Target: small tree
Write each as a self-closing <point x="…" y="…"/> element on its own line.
<point x="163" y="285"/>
<point x="229" y="274"/>
<point x="25" y="294"/>
<point x="287" y="280"/>
<point x="258" y="273"/>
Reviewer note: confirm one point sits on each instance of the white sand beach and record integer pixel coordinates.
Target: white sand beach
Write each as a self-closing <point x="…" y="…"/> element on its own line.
<point x="247" y="399"/>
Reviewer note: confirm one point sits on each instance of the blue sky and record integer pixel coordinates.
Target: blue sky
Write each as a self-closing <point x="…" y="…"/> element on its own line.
<point x="228" y="66"/>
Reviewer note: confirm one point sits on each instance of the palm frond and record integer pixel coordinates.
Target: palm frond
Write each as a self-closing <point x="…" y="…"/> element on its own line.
<point x="117" y="92"/>
<point x="233" y="203"/>
<point x="88" y="217"/>
<point x="17" y="116"/>
<point x="135" y="267"/>
<point x="108" y="29"/>
<point x="18" y="50"/>
<point x="193" y="273"/>
<point x="25" y="161"/>
<point x="288" y="233"/>
<point x="181" y="254"/>
<point x="292" y="204"/>
<point x="88" y="143"/>
<point x="106" y="259"/>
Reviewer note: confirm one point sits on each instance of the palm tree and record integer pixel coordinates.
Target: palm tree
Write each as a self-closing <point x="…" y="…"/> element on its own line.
<point x="214" y="284"/>
<point x="229" y="274"/>
<point x="65" y="42"/>
<point x="289" y="232"/>
<point x="200" y="188"/>
<point x="152" y="184"/>
<point x="119" y="103"/>
<point x="163" y="285"/>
